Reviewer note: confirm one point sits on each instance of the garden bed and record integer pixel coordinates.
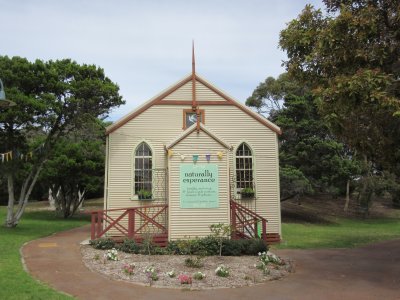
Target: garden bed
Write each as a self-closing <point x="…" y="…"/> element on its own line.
<point x="243" y="270"/>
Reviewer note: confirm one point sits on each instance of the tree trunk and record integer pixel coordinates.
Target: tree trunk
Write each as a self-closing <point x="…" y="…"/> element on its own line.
<point x="11" y="199"/>
<point x="81" y="197"/>
<point x="346" y="205"/>
<point x="52" y="200"/>
<point x="14" y="217"/>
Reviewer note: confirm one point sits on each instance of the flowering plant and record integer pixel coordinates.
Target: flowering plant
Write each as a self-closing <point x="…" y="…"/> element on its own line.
<point x="171" y="274"/>
<point x="151" y="273"/>
<point x="129" y="268"/>
<point x="199" y="276"/>
<point x="222" y="271"/>
<point x="111" y="254"/>
<point x="265" y="259"/>
<point x="269" y="257"/>
<point x="185" y="279"/>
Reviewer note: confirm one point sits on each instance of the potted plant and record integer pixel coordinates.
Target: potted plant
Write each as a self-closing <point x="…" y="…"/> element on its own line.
<point x="247" y="193"/>
<point x="144" y="194"/>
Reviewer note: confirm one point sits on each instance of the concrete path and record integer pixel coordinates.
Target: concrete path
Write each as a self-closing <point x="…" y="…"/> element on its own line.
<point x="371" y="272"/>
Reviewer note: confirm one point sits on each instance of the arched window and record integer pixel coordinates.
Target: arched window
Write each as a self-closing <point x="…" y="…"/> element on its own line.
<point x="143" y="168"/>
<point x="244" y="167"/>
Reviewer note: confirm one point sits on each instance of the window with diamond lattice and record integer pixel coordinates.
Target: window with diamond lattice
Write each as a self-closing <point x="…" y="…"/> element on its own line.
<point x="143" y="168"/>
<point x="244" y="167"/>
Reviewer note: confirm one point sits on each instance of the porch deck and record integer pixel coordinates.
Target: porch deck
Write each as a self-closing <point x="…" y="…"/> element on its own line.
<point x="140" y="222"/>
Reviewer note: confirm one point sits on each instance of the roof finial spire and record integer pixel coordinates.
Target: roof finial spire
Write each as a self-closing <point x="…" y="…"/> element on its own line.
<point x="193" y="60"/>
<point x="194" y="102"/>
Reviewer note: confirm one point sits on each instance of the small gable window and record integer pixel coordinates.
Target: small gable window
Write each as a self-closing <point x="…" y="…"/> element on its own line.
<point x="143" y="169"/>
<point x="244" y="169"/>
<point x="190" y="117"/>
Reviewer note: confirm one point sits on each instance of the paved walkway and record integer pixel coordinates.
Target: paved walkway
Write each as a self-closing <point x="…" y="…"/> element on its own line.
<point x="371" y="272"/>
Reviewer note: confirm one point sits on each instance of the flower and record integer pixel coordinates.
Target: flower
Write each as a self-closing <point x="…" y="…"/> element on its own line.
<point x="171" y="274"/>
<point x="199" y="276"/>
<point x="151" y="273"/>
<point x="222" y="271"/>
<point x="185" y="279"/>
<point x="265" y="259"/>
<point x="129" y="268"/>
<point x="111" y="254"/>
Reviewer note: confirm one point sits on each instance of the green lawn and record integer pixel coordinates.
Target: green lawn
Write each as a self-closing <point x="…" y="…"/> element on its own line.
<point x="15" y="283"/>
<point x="345" y="233"/>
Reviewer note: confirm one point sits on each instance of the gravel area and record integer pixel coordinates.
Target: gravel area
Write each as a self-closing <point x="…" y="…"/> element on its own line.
<point x="242" y="270"/>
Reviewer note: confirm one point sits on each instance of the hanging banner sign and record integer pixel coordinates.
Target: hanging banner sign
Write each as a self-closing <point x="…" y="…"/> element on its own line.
<point x="199" y="185"/>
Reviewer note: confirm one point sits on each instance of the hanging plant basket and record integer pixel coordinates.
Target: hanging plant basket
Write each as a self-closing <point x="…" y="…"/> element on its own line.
<point x="145" y="195"/>
<point x="247" y="193"/>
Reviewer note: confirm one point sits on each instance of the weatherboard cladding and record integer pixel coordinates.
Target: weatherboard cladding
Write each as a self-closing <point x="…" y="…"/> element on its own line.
<point x="182" y="93"/>
<point x="195" y="221"/>
<point x="158" y="125"/>
<point x="202" y="93"/>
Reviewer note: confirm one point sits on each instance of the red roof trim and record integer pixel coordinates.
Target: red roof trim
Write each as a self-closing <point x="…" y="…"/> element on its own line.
<point x="158" y="101"/>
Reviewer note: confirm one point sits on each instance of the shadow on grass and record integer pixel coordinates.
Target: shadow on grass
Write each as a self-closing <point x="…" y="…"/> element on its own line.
<point x="292" y="216"/>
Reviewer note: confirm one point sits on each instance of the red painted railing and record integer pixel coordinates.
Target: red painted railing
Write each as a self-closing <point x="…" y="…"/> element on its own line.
<point x="132" y="222"/>
<point x="245" y="223"/>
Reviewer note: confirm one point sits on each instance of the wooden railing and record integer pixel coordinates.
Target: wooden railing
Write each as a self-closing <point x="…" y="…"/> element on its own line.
<point x="246" y="223"/>
<point x="132" y="222"/>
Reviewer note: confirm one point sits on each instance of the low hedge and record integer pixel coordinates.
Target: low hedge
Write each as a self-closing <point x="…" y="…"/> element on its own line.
<point x="207" y="246"/>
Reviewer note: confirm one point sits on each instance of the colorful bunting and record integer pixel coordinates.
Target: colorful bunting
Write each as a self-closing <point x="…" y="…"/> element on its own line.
<point x="220" y="154"/>
<point x="10" y="155"/>
<point x="195" y="157"/>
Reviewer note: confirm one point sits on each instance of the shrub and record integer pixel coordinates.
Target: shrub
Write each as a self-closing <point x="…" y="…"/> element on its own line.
<point x="199" y="276"/>
<point x="233" y="247"/>
<point x="129" y="246"/>
<point x="255" y="246"/>
<point x="102" y="243"/>
<point x="243" y="247"/>
<point x="147" y="244"/>
<point x="193" y="262"/>
<point x="185" y="247"/>
<point x="221" y="232"/>
<point x="172" y="248"/>
<point x="222" y="271"/>
<point x="206" y="246"/>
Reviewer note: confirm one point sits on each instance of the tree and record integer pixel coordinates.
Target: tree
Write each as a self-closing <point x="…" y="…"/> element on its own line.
<point x="53" y="98"/>
<point x="350" y="57"/>
<point x="75" y="168"/>
<point x="307" y="144"/>
<point x="269" y="95"/>
<point x="311" y="159"/>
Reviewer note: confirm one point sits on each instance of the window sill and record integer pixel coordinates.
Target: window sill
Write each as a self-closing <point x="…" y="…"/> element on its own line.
<point x="245" y="198"/>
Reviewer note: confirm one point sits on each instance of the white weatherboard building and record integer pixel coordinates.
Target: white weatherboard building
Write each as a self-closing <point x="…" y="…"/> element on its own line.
<point x="190" y="157"/>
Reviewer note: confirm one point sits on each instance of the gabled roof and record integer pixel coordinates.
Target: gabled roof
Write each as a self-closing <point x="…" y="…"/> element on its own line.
<point x="193" y="128"/>
<point x="158" y="100"/>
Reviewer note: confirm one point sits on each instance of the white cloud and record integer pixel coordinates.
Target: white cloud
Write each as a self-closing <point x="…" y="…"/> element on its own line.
<point x="145" y="46"/>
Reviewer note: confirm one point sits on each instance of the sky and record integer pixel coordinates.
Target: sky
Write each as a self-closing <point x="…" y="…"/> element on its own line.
<point x="145" y="46"/>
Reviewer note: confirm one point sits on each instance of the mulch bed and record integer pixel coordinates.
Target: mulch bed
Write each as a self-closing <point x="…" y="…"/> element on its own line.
<point x="243" y="271"/>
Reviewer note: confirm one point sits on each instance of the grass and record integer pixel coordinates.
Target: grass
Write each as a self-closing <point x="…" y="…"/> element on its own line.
<point x="343" y="233"/>
<point x="15" y="283"/>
